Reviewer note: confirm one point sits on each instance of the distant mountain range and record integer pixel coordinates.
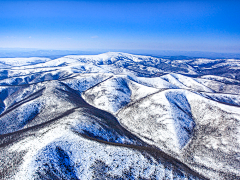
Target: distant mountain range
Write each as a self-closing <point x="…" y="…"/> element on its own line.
<point x="167" y="54"/>
<point x="119" y="116"/>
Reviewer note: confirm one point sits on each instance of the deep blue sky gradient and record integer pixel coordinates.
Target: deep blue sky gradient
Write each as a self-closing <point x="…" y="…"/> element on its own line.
<point x="150" y="25"/>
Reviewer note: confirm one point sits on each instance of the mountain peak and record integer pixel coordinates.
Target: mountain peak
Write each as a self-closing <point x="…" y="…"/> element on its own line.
<point x="119" y="116"/>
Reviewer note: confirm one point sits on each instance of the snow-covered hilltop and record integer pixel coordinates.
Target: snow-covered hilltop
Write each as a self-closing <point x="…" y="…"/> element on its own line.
<point x="119" y="116"/>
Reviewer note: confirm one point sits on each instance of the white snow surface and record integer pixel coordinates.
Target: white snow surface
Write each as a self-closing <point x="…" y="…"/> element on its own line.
<point x="118" y="116"/>
<point x="23" y="61"/>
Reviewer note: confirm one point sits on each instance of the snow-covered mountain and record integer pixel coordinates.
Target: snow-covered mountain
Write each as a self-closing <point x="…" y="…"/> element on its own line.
<point x="119" y="116"/>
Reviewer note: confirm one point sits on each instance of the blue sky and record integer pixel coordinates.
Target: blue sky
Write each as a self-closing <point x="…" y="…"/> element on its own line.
<point x="150" y="25"/>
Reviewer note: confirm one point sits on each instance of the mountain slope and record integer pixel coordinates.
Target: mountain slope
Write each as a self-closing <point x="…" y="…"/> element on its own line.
<point x="119" y="116"/>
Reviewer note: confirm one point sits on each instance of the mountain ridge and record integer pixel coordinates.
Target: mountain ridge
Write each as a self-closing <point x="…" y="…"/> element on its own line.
<point x="119" y="116"/>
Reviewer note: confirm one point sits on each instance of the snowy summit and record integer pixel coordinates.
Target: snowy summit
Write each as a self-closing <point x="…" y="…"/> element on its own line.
<point x="119" y="116"/>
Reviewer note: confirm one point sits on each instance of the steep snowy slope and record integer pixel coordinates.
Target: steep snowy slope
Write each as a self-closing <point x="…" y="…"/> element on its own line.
<point x="179" y="120"/>
<point x="117" y="91"/>
<point x="221" y="79"/>
<point x="35" y="78"/>
<point x="80" y="142"/>
<point x="59" y="153"/>
<point x="229" y="99"/>
<point x="220" y="87"/>
<point x="185" y="82"/>
<point x="119" y="116"/>
<point x="109" y="95"/>
<point x="163" y="117"/>
<point x="84" y="82"/>
<point x="216" y="142"/>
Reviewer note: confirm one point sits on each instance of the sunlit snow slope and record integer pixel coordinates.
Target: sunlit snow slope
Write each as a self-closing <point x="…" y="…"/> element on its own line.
<point x="119" y="116"/>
